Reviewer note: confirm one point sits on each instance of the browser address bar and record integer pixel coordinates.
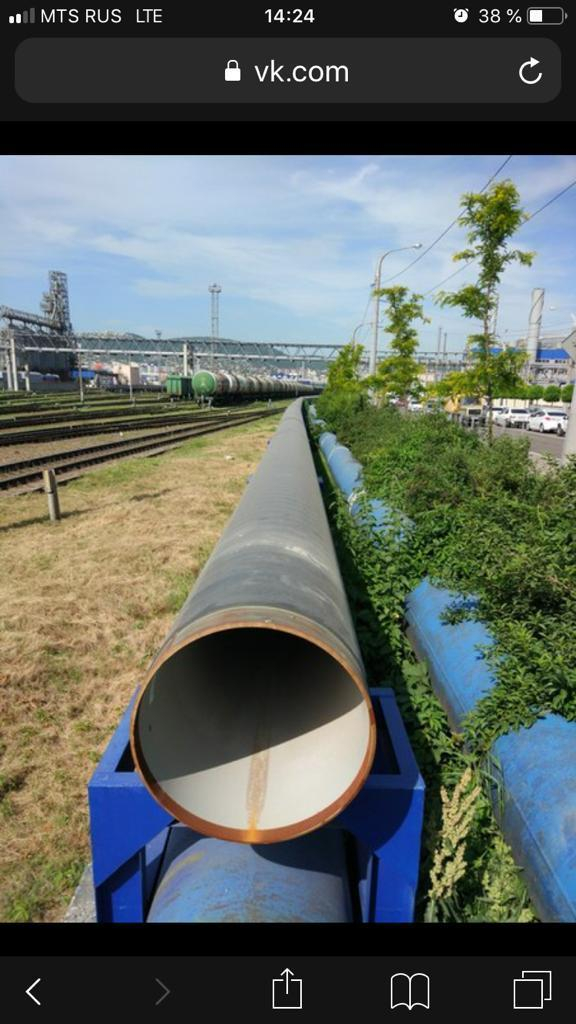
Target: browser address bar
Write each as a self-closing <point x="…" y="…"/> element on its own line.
<point x="287" y="70"/>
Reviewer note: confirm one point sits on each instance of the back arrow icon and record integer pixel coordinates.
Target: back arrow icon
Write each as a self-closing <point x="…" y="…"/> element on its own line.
<point x="530" y="64"/>
<point x="29" y="991"/>
<point x="165" y="993"/>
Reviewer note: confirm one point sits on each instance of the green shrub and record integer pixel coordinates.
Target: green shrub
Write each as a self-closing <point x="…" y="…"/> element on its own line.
<point x="488" y="523"/>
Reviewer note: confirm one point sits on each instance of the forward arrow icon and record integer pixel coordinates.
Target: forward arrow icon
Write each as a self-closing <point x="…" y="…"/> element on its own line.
<point x="165" y="993"/>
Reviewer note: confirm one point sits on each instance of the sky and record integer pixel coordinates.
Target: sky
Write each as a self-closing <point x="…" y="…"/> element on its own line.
<point x="293" y="241"/>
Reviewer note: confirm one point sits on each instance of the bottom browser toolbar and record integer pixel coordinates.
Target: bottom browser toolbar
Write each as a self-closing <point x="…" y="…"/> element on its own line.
<point x="442" y="988"/>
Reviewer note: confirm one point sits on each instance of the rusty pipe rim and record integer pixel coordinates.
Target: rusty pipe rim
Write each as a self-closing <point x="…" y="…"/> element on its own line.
<point x="279" y="620"/>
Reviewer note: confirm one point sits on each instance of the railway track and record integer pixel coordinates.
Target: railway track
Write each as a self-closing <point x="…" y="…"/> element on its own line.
<point x="60" y="433"/>
<point x="25" y="407"/>
<point x="86" y="415"/>
<point x="25" y="475"/>
<point x="29" y="418"/>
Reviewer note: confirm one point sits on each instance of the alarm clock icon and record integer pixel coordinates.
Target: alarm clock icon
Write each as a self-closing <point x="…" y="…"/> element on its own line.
<point x="461" y="13"/>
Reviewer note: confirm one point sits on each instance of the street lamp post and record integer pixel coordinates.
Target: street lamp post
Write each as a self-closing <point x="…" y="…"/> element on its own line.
<point x="374" y="355"/>
<point x="80" y="378"/>
<point x="364" y="323"/>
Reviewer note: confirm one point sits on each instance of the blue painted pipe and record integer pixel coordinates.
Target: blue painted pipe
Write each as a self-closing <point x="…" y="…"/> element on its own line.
<point x="346" y="472"/>
<point x="327" y="442"/>
<point x="459" y="671"/>
<point x="208" y="880"/>
<point x="538" y="778"/>
<point x="536" y="800"/>
<point x="345" y="469"/>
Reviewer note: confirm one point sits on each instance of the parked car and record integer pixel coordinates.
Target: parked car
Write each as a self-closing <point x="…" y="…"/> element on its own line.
<point x="496" y="409"/>
<point x="414" y="406"/>
<point x="471" y="416"/>
<point x="549" y="421"/>
<point x="512" y="418"/>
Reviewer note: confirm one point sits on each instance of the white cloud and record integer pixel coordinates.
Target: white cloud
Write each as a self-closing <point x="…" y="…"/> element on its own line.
<point x="299" y="234"/>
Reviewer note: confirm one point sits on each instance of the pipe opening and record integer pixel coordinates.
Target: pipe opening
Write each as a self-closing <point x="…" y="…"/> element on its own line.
<point x="244" y="734"/>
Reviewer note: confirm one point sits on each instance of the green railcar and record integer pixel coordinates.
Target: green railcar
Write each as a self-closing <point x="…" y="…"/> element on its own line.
<point x="205" y="384"/>
<point x="178" y="386"/>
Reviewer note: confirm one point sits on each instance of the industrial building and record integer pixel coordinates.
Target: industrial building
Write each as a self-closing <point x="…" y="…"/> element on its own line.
<point x="47" y="344"/>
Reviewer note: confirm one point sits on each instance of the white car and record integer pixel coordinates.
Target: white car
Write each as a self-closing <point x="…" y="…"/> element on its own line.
<point x="549" y="421"/>
<point x="512" y="418"/>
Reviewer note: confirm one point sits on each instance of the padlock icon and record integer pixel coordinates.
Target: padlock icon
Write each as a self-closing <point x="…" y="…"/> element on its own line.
<point x="232" y="72"/>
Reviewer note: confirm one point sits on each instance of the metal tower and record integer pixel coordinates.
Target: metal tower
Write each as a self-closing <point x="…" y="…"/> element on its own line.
<point x="215" y="290"/>
<point x="55" y="302"/>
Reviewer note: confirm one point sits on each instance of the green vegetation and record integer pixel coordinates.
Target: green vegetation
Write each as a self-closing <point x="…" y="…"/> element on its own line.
<point x="492" y="218"/>
<point x="552" y="393"/>
<point x="485" y="523"/>
<point x="488" y="523"/>
<point x="399" y="374"/>
<point x="344" y="372"/>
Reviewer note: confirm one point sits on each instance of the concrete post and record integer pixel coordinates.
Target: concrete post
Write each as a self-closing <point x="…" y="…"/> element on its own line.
<point x="80" y="378"/>
<point x="9" y="386"/>
<point x="534" y="324"/>
<point x="569" y="446"/>
<point x="14" y="363"/>
<point x="51" y="489"/>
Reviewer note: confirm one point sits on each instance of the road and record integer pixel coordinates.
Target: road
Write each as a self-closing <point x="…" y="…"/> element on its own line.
<point x="543" y="444"/>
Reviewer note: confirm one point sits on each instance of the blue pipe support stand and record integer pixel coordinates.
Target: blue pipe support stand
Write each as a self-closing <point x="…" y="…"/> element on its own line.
<point x="130" y="832"/>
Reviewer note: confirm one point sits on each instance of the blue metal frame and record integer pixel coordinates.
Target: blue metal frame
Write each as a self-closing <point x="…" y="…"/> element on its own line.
<point x="386" y="820"/>
<point x="129" y="830"/>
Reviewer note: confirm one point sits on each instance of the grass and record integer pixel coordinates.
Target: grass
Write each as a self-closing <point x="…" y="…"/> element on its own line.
<point x="85" y="605"/>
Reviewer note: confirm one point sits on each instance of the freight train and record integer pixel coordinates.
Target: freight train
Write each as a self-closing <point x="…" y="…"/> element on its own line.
<point x="206" y="386"/>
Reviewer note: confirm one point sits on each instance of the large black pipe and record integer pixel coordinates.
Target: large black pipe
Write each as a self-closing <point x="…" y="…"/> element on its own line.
<point x="254" y="722"/>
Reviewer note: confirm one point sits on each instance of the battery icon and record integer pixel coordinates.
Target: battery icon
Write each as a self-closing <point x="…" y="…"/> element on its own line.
<point x="545" y="15"/>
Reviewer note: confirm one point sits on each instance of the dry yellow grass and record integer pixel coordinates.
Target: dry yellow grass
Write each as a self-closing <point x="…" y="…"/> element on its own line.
<point x="85" y="604"/>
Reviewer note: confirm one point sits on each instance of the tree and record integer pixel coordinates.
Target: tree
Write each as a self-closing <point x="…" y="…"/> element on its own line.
<point x="454" y="385"/>
<point x="344" y="372"/>
<point x="492" y="218"/>
<point x="399" y="374"/>
<point x="567" y="392"/>
<point x="535" y="391"/>
<point x="505" y="378"/>
<point x="551" y="393"/>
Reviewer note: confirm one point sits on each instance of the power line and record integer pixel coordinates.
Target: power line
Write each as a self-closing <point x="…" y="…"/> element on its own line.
<point x="530" y="217"/>
<point x="445" y="232"/>
<point x="436" y="240"/>
<point x="553" y="200"/>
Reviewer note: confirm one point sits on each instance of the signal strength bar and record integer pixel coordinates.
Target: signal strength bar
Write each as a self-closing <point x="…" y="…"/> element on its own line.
<point x="26" y="18"/>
